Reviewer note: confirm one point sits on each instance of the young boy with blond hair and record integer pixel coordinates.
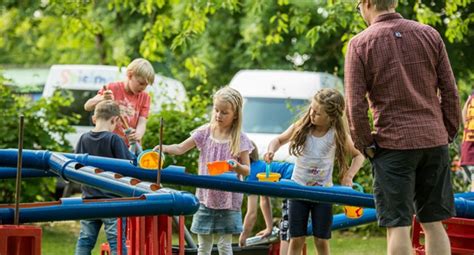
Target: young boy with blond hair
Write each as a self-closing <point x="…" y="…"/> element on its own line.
<point x="130" y="95"/>
<point x="101" y="141"/>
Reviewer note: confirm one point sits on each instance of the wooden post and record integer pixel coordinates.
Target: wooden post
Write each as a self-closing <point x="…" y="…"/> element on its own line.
<point x="158" y="174"/>
<point x="16" y="219"/>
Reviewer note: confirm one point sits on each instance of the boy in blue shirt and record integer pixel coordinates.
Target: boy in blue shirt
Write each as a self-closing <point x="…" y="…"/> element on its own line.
<point x="101" y="141"/>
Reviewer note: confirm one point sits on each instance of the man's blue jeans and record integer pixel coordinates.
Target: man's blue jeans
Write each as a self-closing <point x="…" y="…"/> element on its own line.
<point x="90" y="230"/>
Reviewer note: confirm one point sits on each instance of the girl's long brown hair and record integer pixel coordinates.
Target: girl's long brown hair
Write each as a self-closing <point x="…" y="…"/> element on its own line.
<point x="331" y="101"/>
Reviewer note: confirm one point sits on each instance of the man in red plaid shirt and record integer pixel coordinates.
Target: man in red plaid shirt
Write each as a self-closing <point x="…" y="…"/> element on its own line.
<point x="400" y="69"/>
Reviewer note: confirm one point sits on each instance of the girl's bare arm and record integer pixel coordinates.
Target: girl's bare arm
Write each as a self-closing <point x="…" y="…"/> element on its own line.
<point x="464" y="109"/>
<point x="178" y="149"/>
<point x="277" y="142"/>
<point x="242" y="167"/>
<point x="92" y="102"/>
<point x="356" y="163"/>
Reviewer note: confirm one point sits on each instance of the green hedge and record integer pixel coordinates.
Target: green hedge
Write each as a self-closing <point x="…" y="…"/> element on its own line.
<point x="45" y="129"/>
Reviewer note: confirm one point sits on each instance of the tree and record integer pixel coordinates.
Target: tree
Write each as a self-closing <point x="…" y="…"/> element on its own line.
<point x="45" y="129"/>
<point x="207" y="42"/>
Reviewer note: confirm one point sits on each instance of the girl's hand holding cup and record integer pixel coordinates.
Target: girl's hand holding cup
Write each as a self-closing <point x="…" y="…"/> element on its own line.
<point x="346" y="181"/>
<point x="164" y="148"/>
<point x="233" y="164"/>
<point x="268" y="157"/>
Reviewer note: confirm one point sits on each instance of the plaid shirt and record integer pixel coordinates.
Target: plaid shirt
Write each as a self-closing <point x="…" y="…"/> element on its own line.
<point x="401" y="69"/>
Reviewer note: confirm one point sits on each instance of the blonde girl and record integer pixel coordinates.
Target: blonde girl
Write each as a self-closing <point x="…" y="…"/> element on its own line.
<point x="219" y="214"/>
<point x="318" y="139"/>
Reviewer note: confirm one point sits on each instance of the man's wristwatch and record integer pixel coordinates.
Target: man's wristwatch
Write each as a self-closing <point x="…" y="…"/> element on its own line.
<point x="369" y="151"/>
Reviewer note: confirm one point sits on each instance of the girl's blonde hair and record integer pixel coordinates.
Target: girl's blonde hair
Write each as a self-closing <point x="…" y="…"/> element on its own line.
<point x="332" y="103"/>
<point x="233" y="97"/>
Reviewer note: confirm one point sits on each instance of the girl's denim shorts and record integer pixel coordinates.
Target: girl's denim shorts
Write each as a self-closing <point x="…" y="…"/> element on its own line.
<point x="214" y="221"/>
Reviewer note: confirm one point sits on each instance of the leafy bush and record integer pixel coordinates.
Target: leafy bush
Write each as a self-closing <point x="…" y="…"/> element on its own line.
<point x="45" y="129"/>
<point x="177" y="126"/>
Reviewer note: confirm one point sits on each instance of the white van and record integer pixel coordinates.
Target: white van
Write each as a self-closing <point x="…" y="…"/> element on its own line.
<point x="83" y="81"/>
<point x="273" y="100"/>
<point x="26" y="81"/>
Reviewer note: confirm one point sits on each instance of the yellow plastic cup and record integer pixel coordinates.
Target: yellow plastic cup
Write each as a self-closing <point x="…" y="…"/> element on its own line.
<point x="272" y="177"/>
<point x="354" y="212"/>
<point x="218" y="167"/>
<point x="148" y="159"/>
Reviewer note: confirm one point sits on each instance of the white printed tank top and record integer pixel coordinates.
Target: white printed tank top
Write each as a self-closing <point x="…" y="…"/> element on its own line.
<point x="315" y="166"/>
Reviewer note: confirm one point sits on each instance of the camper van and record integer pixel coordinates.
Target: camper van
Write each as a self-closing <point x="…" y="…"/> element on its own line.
<point x="273" y="100"/>
<point x="83" y="82"/>
<point x="26" y="81"/>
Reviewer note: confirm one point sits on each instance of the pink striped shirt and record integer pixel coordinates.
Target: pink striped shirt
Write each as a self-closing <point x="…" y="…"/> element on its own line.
<point x="214" y="150"/>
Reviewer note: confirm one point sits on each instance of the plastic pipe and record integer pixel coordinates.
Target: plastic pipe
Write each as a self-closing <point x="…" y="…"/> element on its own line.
<point x="10" y="173"/>
<point x="78" y="208"/>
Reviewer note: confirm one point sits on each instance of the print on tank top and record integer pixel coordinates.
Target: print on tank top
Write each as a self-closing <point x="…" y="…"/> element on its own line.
<point x="469" y="128"/>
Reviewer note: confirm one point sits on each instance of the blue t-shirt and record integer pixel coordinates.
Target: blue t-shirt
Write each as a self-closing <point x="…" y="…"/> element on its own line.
<point x="285" y="169"/>
<point x="102" y="144"/>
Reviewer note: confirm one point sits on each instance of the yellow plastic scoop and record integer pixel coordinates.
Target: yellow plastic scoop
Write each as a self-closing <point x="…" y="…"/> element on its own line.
<point x="354" y="212"/>
<point x="148" y="159"/>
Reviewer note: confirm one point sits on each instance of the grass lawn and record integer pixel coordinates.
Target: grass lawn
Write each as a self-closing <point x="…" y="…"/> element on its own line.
<point x="60" y="238"/>
<point x="342" y="244"/>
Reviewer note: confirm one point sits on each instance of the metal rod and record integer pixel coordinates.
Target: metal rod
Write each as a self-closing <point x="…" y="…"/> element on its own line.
<point x="16" y="219"/>
<point x="187" y="235"/>
<point x="158" y="174"/>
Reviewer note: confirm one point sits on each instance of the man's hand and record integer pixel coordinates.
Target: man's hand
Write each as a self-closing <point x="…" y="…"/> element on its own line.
<point x="369" y="151"/>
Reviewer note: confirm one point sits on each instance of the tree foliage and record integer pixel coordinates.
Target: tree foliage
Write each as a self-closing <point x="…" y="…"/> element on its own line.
<point x="45" y="128"/>
<point x="177" y="126"/>
<point x="205" y="42"/>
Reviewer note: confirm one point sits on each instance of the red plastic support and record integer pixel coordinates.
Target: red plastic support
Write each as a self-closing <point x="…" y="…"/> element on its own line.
<point x="181" y="235"/>
<point x="152" y="246"/>
<point x="119" y="236"/>
<point x="165" y="227"/>
<point x="274" y="249"/>
<point x="136" y="235"/>
<point x="460" y="232"/>
<point x="151" y="235"/>
<point x="20" y="240"/>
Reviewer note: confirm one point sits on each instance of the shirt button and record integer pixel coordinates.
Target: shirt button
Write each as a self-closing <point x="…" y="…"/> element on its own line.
<point x="398" y="34"/>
